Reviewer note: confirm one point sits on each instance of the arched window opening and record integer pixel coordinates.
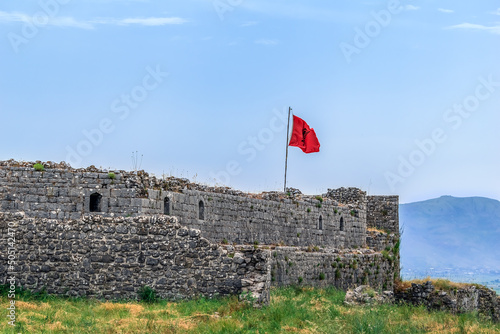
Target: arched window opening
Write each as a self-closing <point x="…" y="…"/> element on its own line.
<point x="341" y="223"/>
<point x="201" y="210"/>
<point x="320" y="224"/>
<point x="95" y="202"/>
<point x="166" y="206"/>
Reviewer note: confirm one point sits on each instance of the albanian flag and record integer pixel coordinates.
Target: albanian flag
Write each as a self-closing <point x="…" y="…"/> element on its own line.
<point x="303" y="136"/>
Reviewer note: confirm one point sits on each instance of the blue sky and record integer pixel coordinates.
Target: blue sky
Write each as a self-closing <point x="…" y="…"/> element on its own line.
<point x="403" y="95"/>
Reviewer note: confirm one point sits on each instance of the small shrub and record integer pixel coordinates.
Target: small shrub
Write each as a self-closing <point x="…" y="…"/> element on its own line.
<point x="290" y="264"/>
<point x="225" y="242"/>
<point x="255" y="242"/>
<point x="335" y="211"/>
<point x="147" y="294"/>
<point x="112" y="175"/>
<point x="275" y="254"/>
<point x="308" y="210"/>
<point x="321" y="276"/>
<point x="39" y="167"/>
<point x="334" y="264"/>
<point x="316" y="248"/>
<point x="251" y="207"/>
<point x="300" y="279"/>
<point x="319" y="198"/>
<point x="318" y="205"/>
<point x="231" y="255"/>
<point x="337" y="274"/>
<point x="353" y="212"/>
<point x="395" y="249"/>
<point x="384" y="212"/>
<point x="298" y="235"/>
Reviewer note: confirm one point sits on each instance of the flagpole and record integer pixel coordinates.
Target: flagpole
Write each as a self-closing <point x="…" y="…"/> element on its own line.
<point x="287" y="141"/>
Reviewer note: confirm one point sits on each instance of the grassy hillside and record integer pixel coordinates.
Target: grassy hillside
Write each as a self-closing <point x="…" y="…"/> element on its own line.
<point x="292" y="310"/>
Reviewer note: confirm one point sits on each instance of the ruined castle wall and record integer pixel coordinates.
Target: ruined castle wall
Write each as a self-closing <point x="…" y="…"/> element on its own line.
<point x="114" y="257"/>
<point x="469" y="298"/>
<point x="323" y="268"/>
<point x="379" y="241"/>
<point x="339" y="220"/>
<point x="64" y="194"/>
<point x="383" y="213"/>
<point x="243" y="220"/>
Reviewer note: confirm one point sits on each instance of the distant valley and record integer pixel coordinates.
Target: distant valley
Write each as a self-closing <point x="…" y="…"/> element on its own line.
<point x="455" y="238"/>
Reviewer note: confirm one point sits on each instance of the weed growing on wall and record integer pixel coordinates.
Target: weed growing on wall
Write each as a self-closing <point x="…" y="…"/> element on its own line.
<point x="39" y="167"/>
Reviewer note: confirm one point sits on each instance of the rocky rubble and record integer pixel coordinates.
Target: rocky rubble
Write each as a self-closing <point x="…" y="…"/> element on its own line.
<point x="470" y="298"/>
<point x="365" y="295"/>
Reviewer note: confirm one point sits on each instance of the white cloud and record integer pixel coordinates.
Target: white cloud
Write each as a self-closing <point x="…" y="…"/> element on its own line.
<point x="411" y="7"/>
<point x="497" y="12"/>
<point x="266" y="42"/>
<point x="480" y="27"/>
<point x="447" y="11"/>
<point x="67" y="21"/>
<point x="13" y="17"/>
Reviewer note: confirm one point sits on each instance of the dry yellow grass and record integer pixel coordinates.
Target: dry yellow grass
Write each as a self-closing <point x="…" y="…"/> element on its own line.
<point x="31" y="306"/>
<point x="134" y="309"/>
<point x="55" y="326"/>
<point x="373" y="229"/>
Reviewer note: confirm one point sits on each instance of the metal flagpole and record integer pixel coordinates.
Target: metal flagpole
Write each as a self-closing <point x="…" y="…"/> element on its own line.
<point x="287" y="141"/>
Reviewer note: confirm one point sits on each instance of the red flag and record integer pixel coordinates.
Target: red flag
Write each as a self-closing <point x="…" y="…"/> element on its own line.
<point x="303" y="136"/>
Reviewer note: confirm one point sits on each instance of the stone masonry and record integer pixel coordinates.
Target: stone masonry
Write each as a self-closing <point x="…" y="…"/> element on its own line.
<point x="469" y="298"/>
<point x="105" y="233"/>
<point x="114" y="257"/>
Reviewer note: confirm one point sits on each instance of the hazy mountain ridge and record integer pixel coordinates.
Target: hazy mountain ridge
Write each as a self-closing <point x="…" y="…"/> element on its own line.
<point x="451" y="232"/>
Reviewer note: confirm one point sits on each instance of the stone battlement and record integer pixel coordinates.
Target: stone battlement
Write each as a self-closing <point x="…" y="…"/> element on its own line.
<point x="343" y="231"/>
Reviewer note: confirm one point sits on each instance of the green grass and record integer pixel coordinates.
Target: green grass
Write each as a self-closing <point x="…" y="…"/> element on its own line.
<point x="292" y="309"/>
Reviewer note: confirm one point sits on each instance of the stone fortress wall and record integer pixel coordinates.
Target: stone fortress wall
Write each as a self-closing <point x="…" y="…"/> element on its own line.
<point x="343" y="232"/>
<point x="113" y="258"/>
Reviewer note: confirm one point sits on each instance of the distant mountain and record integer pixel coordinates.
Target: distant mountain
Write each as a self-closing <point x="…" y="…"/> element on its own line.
<point x="451" y="232"/>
